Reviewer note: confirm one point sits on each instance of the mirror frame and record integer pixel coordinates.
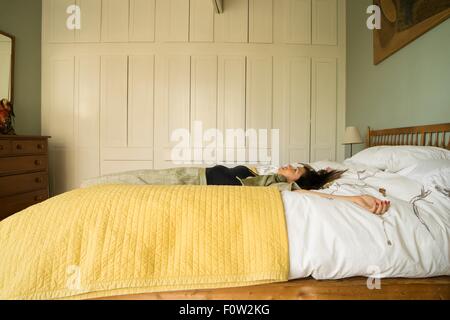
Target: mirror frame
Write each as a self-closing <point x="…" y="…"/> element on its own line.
<point x="13" y="58"/>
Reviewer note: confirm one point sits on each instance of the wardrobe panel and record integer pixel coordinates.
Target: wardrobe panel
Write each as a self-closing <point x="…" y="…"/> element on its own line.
<point x="55" y="12"/>
<point x="203" y="101"/>
<point x="62" y="101"/>
<point x="231" y="92"/>
<point x="113" y="106"/>
<point x="127" y="154"/>
<point x="201" y="21"/>
<point x="87" y="120"/>
<point x="204" y="91"/>
<point x="299" y="102"/>
<point x="324" y="17"/>
<point x="142" y="20"/>
<point x="111" y="167"/>
<point x="114" y="78"/>
<point x="260" y="21"/>
<point x="61" y="126"/>
<point x="297" y="21"/>
<point x="91" y="13"/>
<point x="232" y="24"/>
<point x="172" y="97"/>
<point x="115" y="20"/>
<point x="140" y="101"/>
<point x="324" y="109"/>
<point x="259" y="93"/>
<point x="172" y="20"/>
<point x="292" y="105"/>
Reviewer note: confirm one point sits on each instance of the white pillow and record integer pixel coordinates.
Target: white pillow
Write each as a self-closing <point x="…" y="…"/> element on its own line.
<point x="429" y="172"/>
<point x="438" y="179"/>
<point x="396" y="158"/>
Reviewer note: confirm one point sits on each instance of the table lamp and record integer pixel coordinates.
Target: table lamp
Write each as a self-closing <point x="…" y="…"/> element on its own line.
<point x="351" y="137"/>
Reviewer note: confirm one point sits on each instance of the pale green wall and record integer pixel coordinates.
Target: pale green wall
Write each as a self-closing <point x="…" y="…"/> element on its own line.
<point x="412" y="87"/>
<point x="22" y="18"/>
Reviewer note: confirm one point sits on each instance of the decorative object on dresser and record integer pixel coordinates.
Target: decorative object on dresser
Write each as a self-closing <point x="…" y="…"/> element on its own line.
<point x="23" y="172"/>
<point x="6" y="117"/>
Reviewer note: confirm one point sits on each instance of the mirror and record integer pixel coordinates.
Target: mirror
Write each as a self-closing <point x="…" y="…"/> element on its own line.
<point x="6" y="66"/>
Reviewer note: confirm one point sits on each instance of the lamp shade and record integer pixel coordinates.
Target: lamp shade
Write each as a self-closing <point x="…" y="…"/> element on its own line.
<point x="352" y="136"/>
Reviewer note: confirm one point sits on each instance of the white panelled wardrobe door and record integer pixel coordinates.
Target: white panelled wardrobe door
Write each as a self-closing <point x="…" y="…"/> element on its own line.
<point x="292" y="103"/>
<point x="172" y="21"/>
<point x="232" y="24"/>
<point x="114" y="91"/>
<point x="203" y="102"/>
<point x="140" y="101"/>
<point x="204" y="90"/>
<point x="231" y="99"/>
<point x="61" y="125"/>
<point x="115" y="22"/>
<point x="91" y="12"/>
<point x="201" y="21"/>
<point x="172" y="103"/>
<point x="231" y="92"/>
<point x="324" y="109"/>
<point x="114" y="95"/>
<point x="259" y="105"/>
<point x="260" y="21"/>
<point x="294" y="21"/>
<point x="324" y="22"/>
<point x="55" y="21"/>
<point x="118" y="166"/>
<point x="142" y="20"/>
<point x="259" y="92"/>
<point x="126" y="113"/>
<point x="87" y="117"/>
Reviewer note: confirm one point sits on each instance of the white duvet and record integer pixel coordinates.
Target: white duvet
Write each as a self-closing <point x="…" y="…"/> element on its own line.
<point x="332" y="239"/>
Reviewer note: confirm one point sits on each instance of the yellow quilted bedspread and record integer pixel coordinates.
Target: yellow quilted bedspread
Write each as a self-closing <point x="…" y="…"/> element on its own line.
<point x="114" y="240"/>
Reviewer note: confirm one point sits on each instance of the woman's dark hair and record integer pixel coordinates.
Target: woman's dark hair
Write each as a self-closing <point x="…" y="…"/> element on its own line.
<point x="315" y="180"/>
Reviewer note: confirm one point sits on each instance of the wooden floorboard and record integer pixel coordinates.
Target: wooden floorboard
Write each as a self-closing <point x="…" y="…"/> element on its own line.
<point x="310" y="289"/>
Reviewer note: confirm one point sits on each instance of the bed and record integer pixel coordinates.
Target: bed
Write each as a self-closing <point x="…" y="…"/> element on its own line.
<point x="336" y="251"/>
<point x="350" y="288"/>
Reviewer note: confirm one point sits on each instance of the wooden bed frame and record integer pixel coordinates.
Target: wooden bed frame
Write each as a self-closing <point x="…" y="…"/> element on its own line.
<point x="436" y="135"/>
<point x="354" y="288"/>
<point x="310" y="289"/>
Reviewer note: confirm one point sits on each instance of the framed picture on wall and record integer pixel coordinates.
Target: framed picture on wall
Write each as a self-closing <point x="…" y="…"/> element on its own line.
<point x="403" y="21"/>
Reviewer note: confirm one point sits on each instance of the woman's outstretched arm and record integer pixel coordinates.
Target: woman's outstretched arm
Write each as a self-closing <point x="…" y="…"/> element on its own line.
<point x="367" y="202"/>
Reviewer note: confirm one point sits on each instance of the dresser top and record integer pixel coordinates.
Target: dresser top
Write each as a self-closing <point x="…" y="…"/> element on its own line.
<point x="12" y="137"/>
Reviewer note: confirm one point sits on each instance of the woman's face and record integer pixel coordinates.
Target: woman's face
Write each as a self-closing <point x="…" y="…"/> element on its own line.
<point x="290" y="173"/>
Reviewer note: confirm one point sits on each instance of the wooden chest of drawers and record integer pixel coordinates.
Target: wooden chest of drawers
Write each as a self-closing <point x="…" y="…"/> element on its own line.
<point x="23" y="173"/>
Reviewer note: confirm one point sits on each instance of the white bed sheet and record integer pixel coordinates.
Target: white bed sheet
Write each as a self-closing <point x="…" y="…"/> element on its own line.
<point x="331" y="239"/>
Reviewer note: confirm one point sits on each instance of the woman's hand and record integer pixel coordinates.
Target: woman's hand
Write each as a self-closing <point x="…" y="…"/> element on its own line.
<point x="369" y="203"/>
<point x="374" y="205"/>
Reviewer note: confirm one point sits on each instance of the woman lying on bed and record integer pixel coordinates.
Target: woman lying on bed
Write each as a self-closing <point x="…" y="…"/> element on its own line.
<point x="301" y="179"/>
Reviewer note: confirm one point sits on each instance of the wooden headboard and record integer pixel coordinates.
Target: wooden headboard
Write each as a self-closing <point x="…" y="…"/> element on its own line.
<point x="437" y="135"/>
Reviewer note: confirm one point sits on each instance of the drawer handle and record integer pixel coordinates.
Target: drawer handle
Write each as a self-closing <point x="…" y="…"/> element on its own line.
<point x="38" y="180"/>
<point x="40" y="146"/>
<point x="39" y="198"/>
<point x="19" y="147"/>
<point x="37" y="162"/>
